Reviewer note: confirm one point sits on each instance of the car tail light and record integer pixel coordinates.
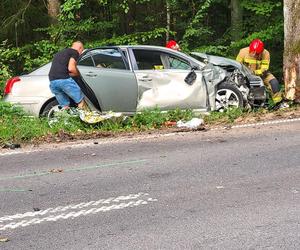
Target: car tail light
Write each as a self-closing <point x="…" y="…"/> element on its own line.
<point x="10" y="83"/>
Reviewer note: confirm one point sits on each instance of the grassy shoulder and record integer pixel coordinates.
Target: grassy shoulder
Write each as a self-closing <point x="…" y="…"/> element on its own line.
<point x="17" y="127"/>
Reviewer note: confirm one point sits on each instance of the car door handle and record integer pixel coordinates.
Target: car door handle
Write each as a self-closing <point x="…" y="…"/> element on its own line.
<point x="145" y="79"/>
<point x="91" y="74"/>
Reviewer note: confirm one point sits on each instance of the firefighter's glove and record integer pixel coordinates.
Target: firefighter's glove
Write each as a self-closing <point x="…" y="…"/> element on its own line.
<point x="265" y="73"/>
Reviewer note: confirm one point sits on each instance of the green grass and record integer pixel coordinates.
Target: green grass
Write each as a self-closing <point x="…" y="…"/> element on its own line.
<point x="228" y="116"/>
<point x="17" y="127"/>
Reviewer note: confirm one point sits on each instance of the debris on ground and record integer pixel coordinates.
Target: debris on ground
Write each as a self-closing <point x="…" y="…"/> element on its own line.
<point x="87" y="116"/>
<point x="93" y="117"/>
<point x="170" y="123"/>
<point x="3" y="239"/>
<point x="192" y="124"/>
<point x="281" y="105"/>
<point x="56" y="170"/>
<point x="11" y="145"/>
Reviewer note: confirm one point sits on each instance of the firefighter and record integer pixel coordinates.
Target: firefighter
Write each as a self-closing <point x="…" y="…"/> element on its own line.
<point x="257" y="59"/>
<point x="173" y="45"/>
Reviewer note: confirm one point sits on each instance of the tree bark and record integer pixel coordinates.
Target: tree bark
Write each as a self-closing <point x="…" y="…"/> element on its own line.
<point x="168" y="10"/>
<point x="291" y="58"/>
<point x="53" y="9"/>
<point x="236" y="20"/>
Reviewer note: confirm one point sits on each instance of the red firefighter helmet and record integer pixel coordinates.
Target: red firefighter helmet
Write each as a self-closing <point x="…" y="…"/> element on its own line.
<point x="256" y="46"/>
<point x="172" y="45"/>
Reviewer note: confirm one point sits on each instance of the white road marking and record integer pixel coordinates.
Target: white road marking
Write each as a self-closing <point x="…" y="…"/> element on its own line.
<point x="258" y="124"/>
<point x="65" y="212"/>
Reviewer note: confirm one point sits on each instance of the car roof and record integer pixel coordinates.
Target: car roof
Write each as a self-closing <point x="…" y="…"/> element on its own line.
<point x="44" y="70"/>
<point x="154" y="47"/>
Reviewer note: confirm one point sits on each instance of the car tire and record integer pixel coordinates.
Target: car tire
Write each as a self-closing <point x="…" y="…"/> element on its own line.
<point x="228" y="96"/>
<point x="49" y="109"/>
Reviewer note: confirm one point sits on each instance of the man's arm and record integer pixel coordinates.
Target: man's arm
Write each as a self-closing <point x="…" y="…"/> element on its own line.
<point x="240" y="57"/>
<point x="72" y="67"/>
<point x="265" y="63"/>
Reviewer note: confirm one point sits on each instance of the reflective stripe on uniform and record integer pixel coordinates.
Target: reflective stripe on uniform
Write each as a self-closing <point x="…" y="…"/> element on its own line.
<point x="258" y="72"/>
<point x="250" y="61"/>
<point x="277" y="97"/>
<point x="265" y="65"/>
<point x="239" y="59"/>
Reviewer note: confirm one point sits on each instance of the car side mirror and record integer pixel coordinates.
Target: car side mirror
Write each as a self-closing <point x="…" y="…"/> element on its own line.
<point x="191" y="77"/>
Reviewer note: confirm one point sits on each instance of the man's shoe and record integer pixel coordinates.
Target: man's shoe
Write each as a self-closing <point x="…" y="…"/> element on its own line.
<point x="73" y="112"/>
<point x="284" y="105"/>
<point x="281" y="105"/>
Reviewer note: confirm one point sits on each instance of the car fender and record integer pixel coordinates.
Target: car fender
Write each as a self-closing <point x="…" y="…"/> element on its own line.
<point x="212" y="76"/>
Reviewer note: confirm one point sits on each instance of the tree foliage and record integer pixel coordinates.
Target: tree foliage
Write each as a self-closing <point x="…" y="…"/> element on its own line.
<point x="29" y="38"/>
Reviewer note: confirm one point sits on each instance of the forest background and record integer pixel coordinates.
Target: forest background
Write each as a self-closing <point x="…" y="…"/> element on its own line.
<point x="33" y="30"/>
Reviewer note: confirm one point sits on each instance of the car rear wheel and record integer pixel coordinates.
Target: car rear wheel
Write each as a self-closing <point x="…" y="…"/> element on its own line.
<point x="228" y="96"/>
<point x="50" y="108"/>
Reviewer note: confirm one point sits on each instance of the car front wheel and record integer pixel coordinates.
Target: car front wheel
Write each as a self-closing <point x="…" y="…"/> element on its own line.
<point x="228" y="96"/>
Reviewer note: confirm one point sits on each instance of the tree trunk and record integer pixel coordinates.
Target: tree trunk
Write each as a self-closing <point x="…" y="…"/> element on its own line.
<point x="168" y="20"/>
<point x="236" y="20"/>
<point x="291" y="58"/>
<point x="53" y="9"/>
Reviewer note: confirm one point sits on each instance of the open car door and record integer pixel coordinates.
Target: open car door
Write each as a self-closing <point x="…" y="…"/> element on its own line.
<point x="107" y="73"/>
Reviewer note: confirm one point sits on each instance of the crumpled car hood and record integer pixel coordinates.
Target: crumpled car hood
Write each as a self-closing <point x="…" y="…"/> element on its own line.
<point x="216" y="60"/>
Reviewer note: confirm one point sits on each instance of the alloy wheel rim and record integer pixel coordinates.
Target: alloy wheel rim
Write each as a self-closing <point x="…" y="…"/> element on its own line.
<point x="226" y="98"/>
<point x="52" y="111"/>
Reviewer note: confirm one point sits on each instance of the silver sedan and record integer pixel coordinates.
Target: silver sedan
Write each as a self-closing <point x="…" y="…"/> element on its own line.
<point x="129" y="79"/>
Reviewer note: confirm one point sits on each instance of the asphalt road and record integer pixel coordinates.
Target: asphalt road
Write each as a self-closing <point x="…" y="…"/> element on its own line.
<point x="228" y="189"/>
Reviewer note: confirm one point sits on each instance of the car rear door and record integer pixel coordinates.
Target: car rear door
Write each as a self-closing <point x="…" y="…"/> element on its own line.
<point x="161" y="81"/>
<point x="107" y="73"/>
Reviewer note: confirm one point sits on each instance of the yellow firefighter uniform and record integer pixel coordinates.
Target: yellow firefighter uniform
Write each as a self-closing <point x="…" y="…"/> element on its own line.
<point x="259" y="65"/>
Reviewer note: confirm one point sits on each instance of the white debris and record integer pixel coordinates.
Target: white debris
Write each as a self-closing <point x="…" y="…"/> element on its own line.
<point x="192" y="124"/>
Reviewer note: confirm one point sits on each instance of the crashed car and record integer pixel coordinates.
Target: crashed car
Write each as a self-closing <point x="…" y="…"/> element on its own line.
<point x="250" y="85"/>
<point x="129" y="79"/>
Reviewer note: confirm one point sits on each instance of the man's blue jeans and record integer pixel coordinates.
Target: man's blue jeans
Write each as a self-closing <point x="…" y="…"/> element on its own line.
<point x="64" y="89"/>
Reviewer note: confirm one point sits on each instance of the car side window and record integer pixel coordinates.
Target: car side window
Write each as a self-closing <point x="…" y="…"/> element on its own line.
<point x="86" y="60"/>
<point x="151" y="59"/>
<point x="177" y="63"/>
<point x="108" y="58"/>
<point x="148" y="59"/>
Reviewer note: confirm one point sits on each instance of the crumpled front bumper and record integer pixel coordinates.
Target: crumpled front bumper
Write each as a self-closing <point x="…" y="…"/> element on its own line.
<point x="257" y="95"/>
